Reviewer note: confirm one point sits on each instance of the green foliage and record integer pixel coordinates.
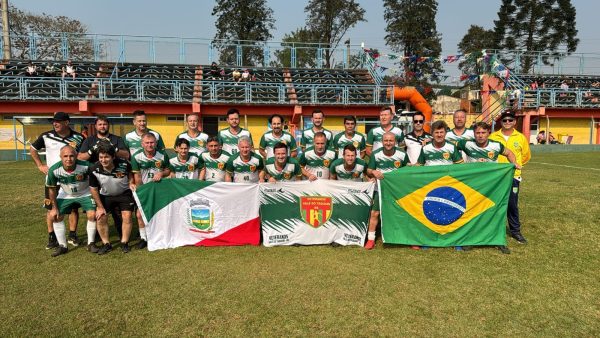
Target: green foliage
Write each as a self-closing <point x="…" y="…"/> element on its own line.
<point x="536" y="26"/>
<point x="248" y="20"/>
<point x="306" y="53"/>
<point x="49" y="43"/>
<point x="473" y="43"/>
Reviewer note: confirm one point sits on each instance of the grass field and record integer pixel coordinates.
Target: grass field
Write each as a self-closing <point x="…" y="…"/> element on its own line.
<point x="550" y="287"/>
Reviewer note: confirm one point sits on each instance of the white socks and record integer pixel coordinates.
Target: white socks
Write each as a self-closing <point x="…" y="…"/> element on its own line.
<point x="143" y="234"/>
<point x="371" y="235"/>
<point x="60" y="232"/>
<point x="91" y="231"/>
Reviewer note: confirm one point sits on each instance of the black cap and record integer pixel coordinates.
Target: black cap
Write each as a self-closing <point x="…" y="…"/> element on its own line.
<point x="60" y="116"/>
<point x="507" y="114"/>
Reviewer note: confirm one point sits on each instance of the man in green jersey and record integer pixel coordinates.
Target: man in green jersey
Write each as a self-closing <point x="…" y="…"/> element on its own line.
<point x="275" y="136"/>
<point x="133" y="139"/>
<point x="439" y="152"/>
<point x="348" y="168"/>
<point x="383" y="160"/>
<point x="148" y="165"/>
<point x="482" y="149"/>
<point x="193" y="134"/>
<point x="350" y="136"/>
<point x="212" y="162"/>
<point x="281" y="167"/>
<point x="185" y="164"/>
<point x="374" y="135"/>
<point x="245" y="166"/>
<point x="72" y="178"/>
<point x="229" y="136"/>
<point x="315" y="160"/>
<point x="308" y="134"/>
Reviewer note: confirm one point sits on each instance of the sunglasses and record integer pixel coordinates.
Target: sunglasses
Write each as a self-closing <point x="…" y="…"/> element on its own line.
<point x="418" y="121"/>
<point x="508" y="120"/>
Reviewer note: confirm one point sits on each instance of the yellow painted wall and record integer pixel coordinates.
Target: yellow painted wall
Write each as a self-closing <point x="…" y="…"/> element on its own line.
<point x="168" y="130"/>
<point x="448" y="118"/>
<point x="578" y="128"/>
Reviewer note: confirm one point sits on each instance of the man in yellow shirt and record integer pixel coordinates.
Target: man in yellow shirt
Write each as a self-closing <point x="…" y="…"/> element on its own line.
<point x="519" y="145"/>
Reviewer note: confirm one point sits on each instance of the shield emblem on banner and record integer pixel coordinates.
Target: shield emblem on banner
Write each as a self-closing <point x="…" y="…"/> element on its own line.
<point x="201" y="217"/>
<point x="315" y="210"/>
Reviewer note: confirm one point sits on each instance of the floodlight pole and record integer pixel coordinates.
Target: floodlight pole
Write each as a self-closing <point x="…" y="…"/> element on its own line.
<point x="5" y="30"/>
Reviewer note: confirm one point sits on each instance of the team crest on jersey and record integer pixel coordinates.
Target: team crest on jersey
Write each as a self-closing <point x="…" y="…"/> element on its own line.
<point x="490" y="154"/>
<point x="446" y="156"/>
<point x="221" y="166"/>
<point x="283" y="141"/>
<point x="252" y="168"/>
<point x="355" y="143"/>
<point x="287" y="176"/>
<point x="326" y="163"/>
<point x="355" y="174"/>
<point x="201" y="143"/>
<point x="73" y="144"/>
<point x="397" y="164"/>
<point x="119" y="174"/>
<point x="200" y="217"/>
<point x="79" y="177"/>
<point x="191" y="167"/>
<point x="158" y="164"/>
<point x="315" y="210"/>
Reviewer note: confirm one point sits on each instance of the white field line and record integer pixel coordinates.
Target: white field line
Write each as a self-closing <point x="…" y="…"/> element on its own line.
<point x="566" y="166"/>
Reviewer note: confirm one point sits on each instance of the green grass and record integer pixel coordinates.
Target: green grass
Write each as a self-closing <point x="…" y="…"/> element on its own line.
<point x="550" y="287"/>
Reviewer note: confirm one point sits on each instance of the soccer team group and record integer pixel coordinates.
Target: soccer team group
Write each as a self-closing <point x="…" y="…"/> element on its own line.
<point x="99" y="173"/>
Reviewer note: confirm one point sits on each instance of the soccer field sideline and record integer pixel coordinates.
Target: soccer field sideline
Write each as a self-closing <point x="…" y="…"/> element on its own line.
<point x="546" y="288"/>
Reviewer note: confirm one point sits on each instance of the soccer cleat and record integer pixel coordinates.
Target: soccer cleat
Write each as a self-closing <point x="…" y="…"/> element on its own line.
<point x="458" y="248"/>
<point x="519" y="238"/>
<point x="91" y="247"/>
<point x="415" y="247"/>
<point x="142" y="244"/>
<point x="125" y="247"/>
<point x="73" y="240"/>
<point x="504" y="249"/>
<point x="106" y="248"/>
<point x="52" y="243"/>
<point x="60" y="250"/>
<point x="370" y="244"/>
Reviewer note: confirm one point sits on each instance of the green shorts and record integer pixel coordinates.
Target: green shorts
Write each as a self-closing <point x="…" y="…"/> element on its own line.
<point x="65" y="205"/>
<point x="375" y="201"/>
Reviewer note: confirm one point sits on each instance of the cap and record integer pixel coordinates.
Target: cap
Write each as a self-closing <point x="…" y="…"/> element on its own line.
<point x="507" y="114"/>
<point x="60" y="116"/>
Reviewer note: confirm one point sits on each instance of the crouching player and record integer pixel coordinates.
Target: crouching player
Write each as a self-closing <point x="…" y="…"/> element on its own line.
<point x="71" y="176"/>
<point x="111" y="182"/>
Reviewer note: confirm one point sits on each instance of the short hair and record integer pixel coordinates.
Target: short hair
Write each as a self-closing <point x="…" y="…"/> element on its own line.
<point x="139" y="113"/>
<point x="384" y="108"/>
<point x="280" y="145"/>
<point x="349" y="118"/>
<point x="350" y="147"/>
<point x="482" y="125"/>
<point x="105" y="148"/>
<point x="318" y="111"/>
<point x="437" y="125"/>
<point x="460" y="111"/>
<point x="418" y="114"/>
<point x="181" y="141"/>
<point x="320" y="134"/>
<point x="213" y="139"/>
<point x="244" y="139"/>
<point x="275" y="115"/>
<point x="102" y="118"/>
<point x="232" y="111"/>
<point x="192" y="114"/>
<point x="148" y="134"/>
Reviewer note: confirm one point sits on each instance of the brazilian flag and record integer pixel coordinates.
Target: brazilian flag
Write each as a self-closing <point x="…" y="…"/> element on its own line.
<point x="451" y="205"/>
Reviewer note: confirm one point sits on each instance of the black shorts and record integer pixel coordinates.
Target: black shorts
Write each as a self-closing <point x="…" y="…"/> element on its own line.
<point x="125" y="201"/>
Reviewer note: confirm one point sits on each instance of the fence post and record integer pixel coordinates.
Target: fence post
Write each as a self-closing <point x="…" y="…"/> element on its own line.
<point x="293" y="56"/>
<point x="32" y="47"/>
<point x="152" y="50"/>
<point x="238" y="55"/>
<point x="319" y="57"/>
<point x="122" y="48"/>
<point x="181" y="51"/>
<point x="96" y="43"/>
<point x="266" y="56"/>
<point x="210" y="52"/>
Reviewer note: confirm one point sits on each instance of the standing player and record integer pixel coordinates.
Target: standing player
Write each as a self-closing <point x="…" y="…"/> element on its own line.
<point x="89" y="147"/>
<point x="133" y="139"/>
<point x="350" y="136"/>
<point x="416" y="139"/>
<point x="460" y="131"/>
<point x="72" y="177"/>
<point x="229" y="137"/>
<point x="245" y="166"/>
<point x="276" y="135"/>
<point x="308" y="134"/>
<point x="439" y="152"/>
<point x="52" y="141"/>
<point x="519" y="145"/>
<point x="111" y="182"/>
<point x="212" y="163"/>
<point x="148" y="165"/>
<point x="385" y="125"/>
<point x="315" y="160"/>
<point x="185" y="164"/>
<point x="482" y="149"/>
<point x="281" y="167"/>
<point x="196" y="138"/>
<point x="348" y="168"/>
<point x="383" y="160"/>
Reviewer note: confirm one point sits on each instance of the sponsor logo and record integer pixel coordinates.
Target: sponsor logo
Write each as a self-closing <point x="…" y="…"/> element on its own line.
<point x="200" y="218"/>
<point x="354" y="191"/>
<point x="315" y="210"/>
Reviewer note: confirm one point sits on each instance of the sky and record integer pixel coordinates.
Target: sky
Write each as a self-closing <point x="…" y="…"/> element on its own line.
<point x="192" y="18"/>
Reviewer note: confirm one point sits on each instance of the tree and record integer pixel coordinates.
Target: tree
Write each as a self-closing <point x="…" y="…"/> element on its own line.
<point x="329" y="20"/>
<point x="536" y="26"/>
<point x="472" y="44"/>
<point x="245" y="22"/>
<point x="306" y="56"/>
<point x="411" y="30"/>
<point x="49" y="43"/>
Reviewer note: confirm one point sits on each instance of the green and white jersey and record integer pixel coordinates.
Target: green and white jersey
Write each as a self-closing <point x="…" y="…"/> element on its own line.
<point x="317" y="165"/>
<point x="269" y="140"/>
<point x="308" y="136"/>
<point x="375" y="136"/>
<point x="188" y="169"/>
<point x="245" y="171"/>
<point x="74" y="183"/>
<point x="468" y="134"/>
<point x="380" y="161"/>
<point x="148" y="166"/>
<point x="356" y="174"/>
<point x="290" y="172"/>
<point x="341" y="140"/>
<point x="446" y="154"/>
<point x="197" y="144"/>
<point x="475" y="153"/>
<point x="230" y="141"/>
<point x="214" y="167"/>
<point x="133" y="141"/>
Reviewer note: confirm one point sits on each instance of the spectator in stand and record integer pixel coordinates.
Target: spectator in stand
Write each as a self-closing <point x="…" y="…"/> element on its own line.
<point x="69" y="69"/>
<point x="215" y="72"/>
<point x="534" y="84"/>
<point x="31" y="69"/>
<point x="246" y="76"/>
<point x="236" y="75"/>
<point x="541" y="137"/>
<point x="551" y="139"/>
<point x="50" y="69"/>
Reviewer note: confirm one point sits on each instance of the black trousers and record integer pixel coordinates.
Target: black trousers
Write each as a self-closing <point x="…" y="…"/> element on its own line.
<point x="514" y="224"/>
